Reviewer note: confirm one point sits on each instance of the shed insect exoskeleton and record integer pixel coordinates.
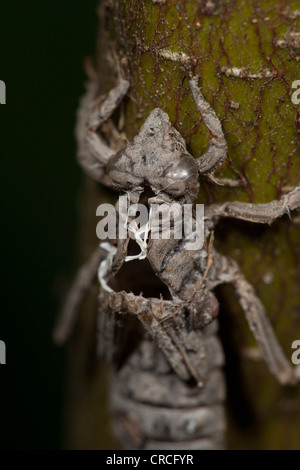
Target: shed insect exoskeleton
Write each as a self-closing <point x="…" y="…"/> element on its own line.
<point x="157" y="168"/>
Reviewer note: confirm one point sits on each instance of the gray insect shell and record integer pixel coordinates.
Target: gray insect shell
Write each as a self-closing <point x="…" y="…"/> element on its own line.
<point x="157" y="157"/>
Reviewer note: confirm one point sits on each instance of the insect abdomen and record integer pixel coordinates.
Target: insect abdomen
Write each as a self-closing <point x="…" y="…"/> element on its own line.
<point x="154" y="409"/>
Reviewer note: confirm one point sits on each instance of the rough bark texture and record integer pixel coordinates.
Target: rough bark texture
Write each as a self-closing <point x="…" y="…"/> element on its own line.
<point x="247" y="56"/>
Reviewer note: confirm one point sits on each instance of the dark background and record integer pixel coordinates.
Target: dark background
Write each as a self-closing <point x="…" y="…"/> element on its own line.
<point x="42" y="47"/>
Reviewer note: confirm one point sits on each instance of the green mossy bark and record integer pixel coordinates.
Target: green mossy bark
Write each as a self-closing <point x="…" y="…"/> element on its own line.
<point x="263" y="147"/>
<point x="261" y="126"/>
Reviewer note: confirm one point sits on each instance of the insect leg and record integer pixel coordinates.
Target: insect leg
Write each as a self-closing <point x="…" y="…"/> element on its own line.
<point x="180" y="345"/>
<point x="93" y="152"/>
<point x="258" y="213"/>
<point x="260" y="325"/>
<point x="217" y="151"/>
<point x="77" y="292"/>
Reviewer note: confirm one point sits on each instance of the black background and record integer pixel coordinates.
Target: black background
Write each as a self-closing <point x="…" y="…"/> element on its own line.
<point x="42" y="47"/>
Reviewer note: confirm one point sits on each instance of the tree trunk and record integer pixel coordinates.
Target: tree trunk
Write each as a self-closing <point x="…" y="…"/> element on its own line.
<point x="246" y="54"/>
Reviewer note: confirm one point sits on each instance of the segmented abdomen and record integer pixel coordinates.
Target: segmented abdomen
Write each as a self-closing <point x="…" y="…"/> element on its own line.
<point x="154" y="409"/>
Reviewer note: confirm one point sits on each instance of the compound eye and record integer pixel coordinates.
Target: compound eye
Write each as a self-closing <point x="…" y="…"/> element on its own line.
<point x="182" y="177"/>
